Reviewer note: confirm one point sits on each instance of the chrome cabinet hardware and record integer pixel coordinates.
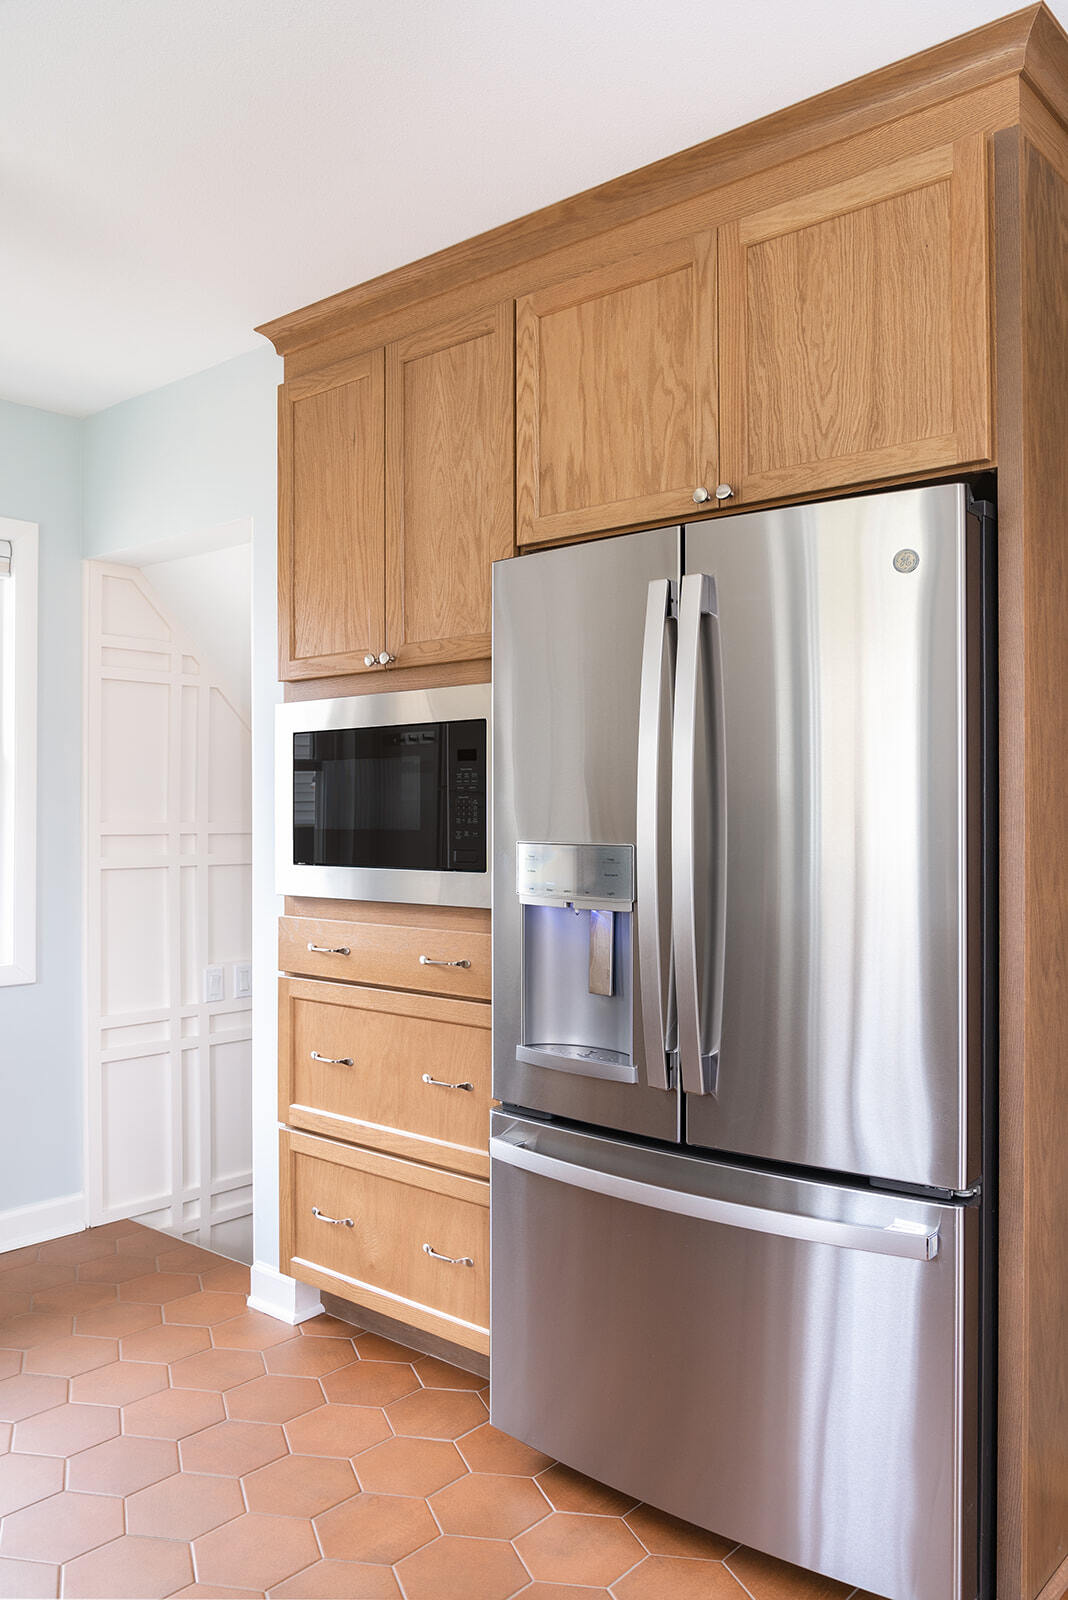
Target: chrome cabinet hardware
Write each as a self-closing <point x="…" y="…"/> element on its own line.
<point x="700" y="496"/>
<point x="454" y="1261"/>
<point x="335" y="1222"/>
<point x="724" y="491"/>
<point x="370" y="660"/>
<point x="428" y="961"/>
<point x="385" y="658"/>
<point x="439" y="1083"/>
<point x="327" y="950"/>
<point x="333" y="1061"/>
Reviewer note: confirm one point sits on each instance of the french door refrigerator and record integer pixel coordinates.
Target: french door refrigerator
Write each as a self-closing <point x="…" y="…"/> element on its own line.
<point x="741" y="916"/>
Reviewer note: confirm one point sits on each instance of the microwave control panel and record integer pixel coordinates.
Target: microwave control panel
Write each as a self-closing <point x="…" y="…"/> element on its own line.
<point x="467" y="786"/>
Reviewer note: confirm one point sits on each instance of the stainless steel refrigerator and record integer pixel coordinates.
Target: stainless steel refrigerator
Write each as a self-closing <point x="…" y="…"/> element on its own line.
<point x="742" y="913"/>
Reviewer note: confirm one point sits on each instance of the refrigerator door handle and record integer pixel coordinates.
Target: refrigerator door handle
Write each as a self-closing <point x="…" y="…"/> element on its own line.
<point x="654" y="950"/>
<point x="699" y="971"/>
<point x="899" y="1237"/>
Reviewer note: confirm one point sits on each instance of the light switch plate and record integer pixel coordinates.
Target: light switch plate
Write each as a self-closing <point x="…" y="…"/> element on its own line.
<point x="242" y="978"/>
<point x="214" y="985"/>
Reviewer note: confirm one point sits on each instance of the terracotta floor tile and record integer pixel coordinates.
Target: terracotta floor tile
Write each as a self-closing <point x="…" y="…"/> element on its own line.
<point x="331" y="1327"/>
<point x="24" y="1396"/>
<point x="157" y="1288"/>
<point x="489" y="1450"/>
<point x="568" y="1548"/>
<point x="185" y="1258"/>
<point x="119" y="1383"/>
<point x="173" y="1414"/>
<point x="62" y="1527"/>
<point x="36" y="1275"/>
<point x="373" y="1347"/>
<point x="435" y="1374"/>
<point x="217" y="1369"/>
<point x="664" y="1535"/>
<point x="300" y="1486"/>
<point x="256" y="1550"/>
<point x="564" y="1591"/>
<point x="139" y="1241"/>
<point x="128" y="1569"/>
<point x="28" y="1580"/>
<point x="489" y="1506"/>
<point x="11" y="1363"/>
<point x="205" y="1591"/>
<point x="370" y="1383"/>
<point x="337" y="1430"/>
<point x="339" y="1580"/>
<point x="375" y="1527"/>
<point x="572" y="1491"/>
<point x="409" y="1466"/>
<point x="310" y="1358"/>
<point x="462" y="1569"/>
<point x="232" y="1277"/>
<point x="74" y="1297"/>
<point x="164" y="1343"/>
<point x="184" y="1507"/>
<point x="659" y="1577"/>
<point x="76" y="1247"/>
<point x="36" y="1327"/>
<point x="16" y="1258"/>
<point x="273" y="1399"/>
<point x="115" y="1269"/>
<point x="65" y="1430"/>
<point x="13" y="1304"/>
<point x="437" y="1413"/>
<point x="769" y="1579"/>
<point x="6" y="1431"/>
<point x="114" y="1320"/>
<point x="26" y="1479"/>
<point x="122" y="1466"/>
<point x="233" y="1448"/>
<point x="205" y="1308"/>
<point x="252" y="1331"/>
<point x="65" y="1358"/>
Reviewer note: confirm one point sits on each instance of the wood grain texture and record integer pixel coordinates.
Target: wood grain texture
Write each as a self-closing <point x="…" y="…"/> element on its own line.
<point x="855" y="330"/>
<point x="396" y="1207"/>
<point x="331" y="551"/>
<point x="476" y="918"/>
<point x="1028" y="42"/>
<point x="390" y="680"/>
<point x="1032" y="236"/>
<point x="387" y="955"/>
<point x="449" y="484"/>
<point x="382" y="1100"/>
<point x="616" y="394"/>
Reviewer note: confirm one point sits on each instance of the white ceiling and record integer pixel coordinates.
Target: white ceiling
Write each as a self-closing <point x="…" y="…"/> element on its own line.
<point x="173" y="172"/>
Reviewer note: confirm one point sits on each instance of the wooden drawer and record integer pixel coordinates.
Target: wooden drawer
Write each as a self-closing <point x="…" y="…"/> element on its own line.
<point x="397" y="957"/>
<point x="397" y="1209"/>
<point x="395" y="1043"/>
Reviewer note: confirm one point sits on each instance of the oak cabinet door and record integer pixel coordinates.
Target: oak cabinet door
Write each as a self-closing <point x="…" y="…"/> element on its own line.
<point x="449" y="482"/>
<point x="855" y="328"/>
<point x="616" y="394"/>
<point x="331" y="525"/>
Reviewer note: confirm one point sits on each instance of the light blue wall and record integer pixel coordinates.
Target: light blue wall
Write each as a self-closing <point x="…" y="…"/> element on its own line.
<point x="41" y="1023"/>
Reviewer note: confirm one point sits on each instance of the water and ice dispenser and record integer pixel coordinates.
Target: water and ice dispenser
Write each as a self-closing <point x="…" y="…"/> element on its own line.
<point x="577" y="1009"/>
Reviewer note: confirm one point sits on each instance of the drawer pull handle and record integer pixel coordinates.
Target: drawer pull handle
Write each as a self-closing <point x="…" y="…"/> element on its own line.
<point x="325" y="950"/>
<point x="439" y="1083"/>
<point x="454" y="1261"/>
<point x="335" y="1222"/>
<point x="428" y="961"/>
<point x="333" y="1061"/>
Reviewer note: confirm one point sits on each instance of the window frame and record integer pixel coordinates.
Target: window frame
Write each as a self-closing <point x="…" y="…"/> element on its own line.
<point x="18" y="735"/>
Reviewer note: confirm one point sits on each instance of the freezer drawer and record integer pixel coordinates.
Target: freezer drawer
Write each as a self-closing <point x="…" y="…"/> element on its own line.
<point x="790" y="1364"/>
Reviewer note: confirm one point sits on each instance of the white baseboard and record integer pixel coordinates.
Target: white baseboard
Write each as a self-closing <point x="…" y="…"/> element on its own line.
<point x="49" y="1219"/>
<point x="281" y="1296"/>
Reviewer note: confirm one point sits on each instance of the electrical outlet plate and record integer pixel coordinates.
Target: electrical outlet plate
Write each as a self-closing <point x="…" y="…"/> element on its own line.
<point x="242" y="979"/>
<point x="214" y="985"/>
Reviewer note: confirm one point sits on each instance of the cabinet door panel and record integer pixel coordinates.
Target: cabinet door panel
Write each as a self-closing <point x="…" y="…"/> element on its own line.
<point x="449" y="475"/>
<point x="331" y="519"/>
<point x="855" y="328"/>
<point x="616" y="394"/>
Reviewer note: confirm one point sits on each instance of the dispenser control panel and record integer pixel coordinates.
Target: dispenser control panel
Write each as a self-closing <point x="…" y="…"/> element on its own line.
<point x="600" y="875"/>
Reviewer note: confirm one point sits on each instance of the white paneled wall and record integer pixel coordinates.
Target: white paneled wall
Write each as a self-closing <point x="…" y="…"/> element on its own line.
<point x="168" y="892"/>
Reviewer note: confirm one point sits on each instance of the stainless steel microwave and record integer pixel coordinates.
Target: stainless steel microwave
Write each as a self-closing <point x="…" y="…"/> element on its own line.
<point x="385" y="797"/>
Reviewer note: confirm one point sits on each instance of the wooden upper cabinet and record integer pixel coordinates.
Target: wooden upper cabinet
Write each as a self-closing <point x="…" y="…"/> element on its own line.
<point x="616" y="394"/>
<point x="331" y="525"/>
<point x="854" y="329"/>
<point x="449" y="484"/>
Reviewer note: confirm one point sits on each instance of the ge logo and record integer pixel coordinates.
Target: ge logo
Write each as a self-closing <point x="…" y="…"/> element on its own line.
<point x="906" y="561"/>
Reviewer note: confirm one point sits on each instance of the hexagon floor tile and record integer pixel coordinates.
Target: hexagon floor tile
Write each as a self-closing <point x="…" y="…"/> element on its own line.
<point x="158" y="1438"/>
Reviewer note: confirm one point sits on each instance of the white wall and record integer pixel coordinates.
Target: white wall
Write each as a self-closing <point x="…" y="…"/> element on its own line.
<point x="40" y="1023"/>
<point x="209" y="596"/>
<point x="179" y="462"/>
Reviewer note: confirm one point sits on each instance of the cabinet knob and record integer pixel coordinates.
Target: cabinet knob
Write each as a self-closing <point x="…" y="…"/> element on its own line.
<point x="385" y="658"/>
<point x="700" y="496"/>
<point x="723" y="491"/>
<point x="370" y="661"/>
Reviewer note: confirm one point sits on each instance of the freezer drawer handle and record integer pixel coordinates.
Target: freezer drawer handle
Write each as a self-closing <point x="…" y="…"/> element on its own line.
<point x="654" y="954"/>
<point x="428" y="961"/>
<point x="898" y="1238"/>
<point x="325" y="950"/>
<point x="439" y="1083"/>
<point x="453" y="1261"/>
<point x="335" y="1222"/>
<point x="333" y="1061"/>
